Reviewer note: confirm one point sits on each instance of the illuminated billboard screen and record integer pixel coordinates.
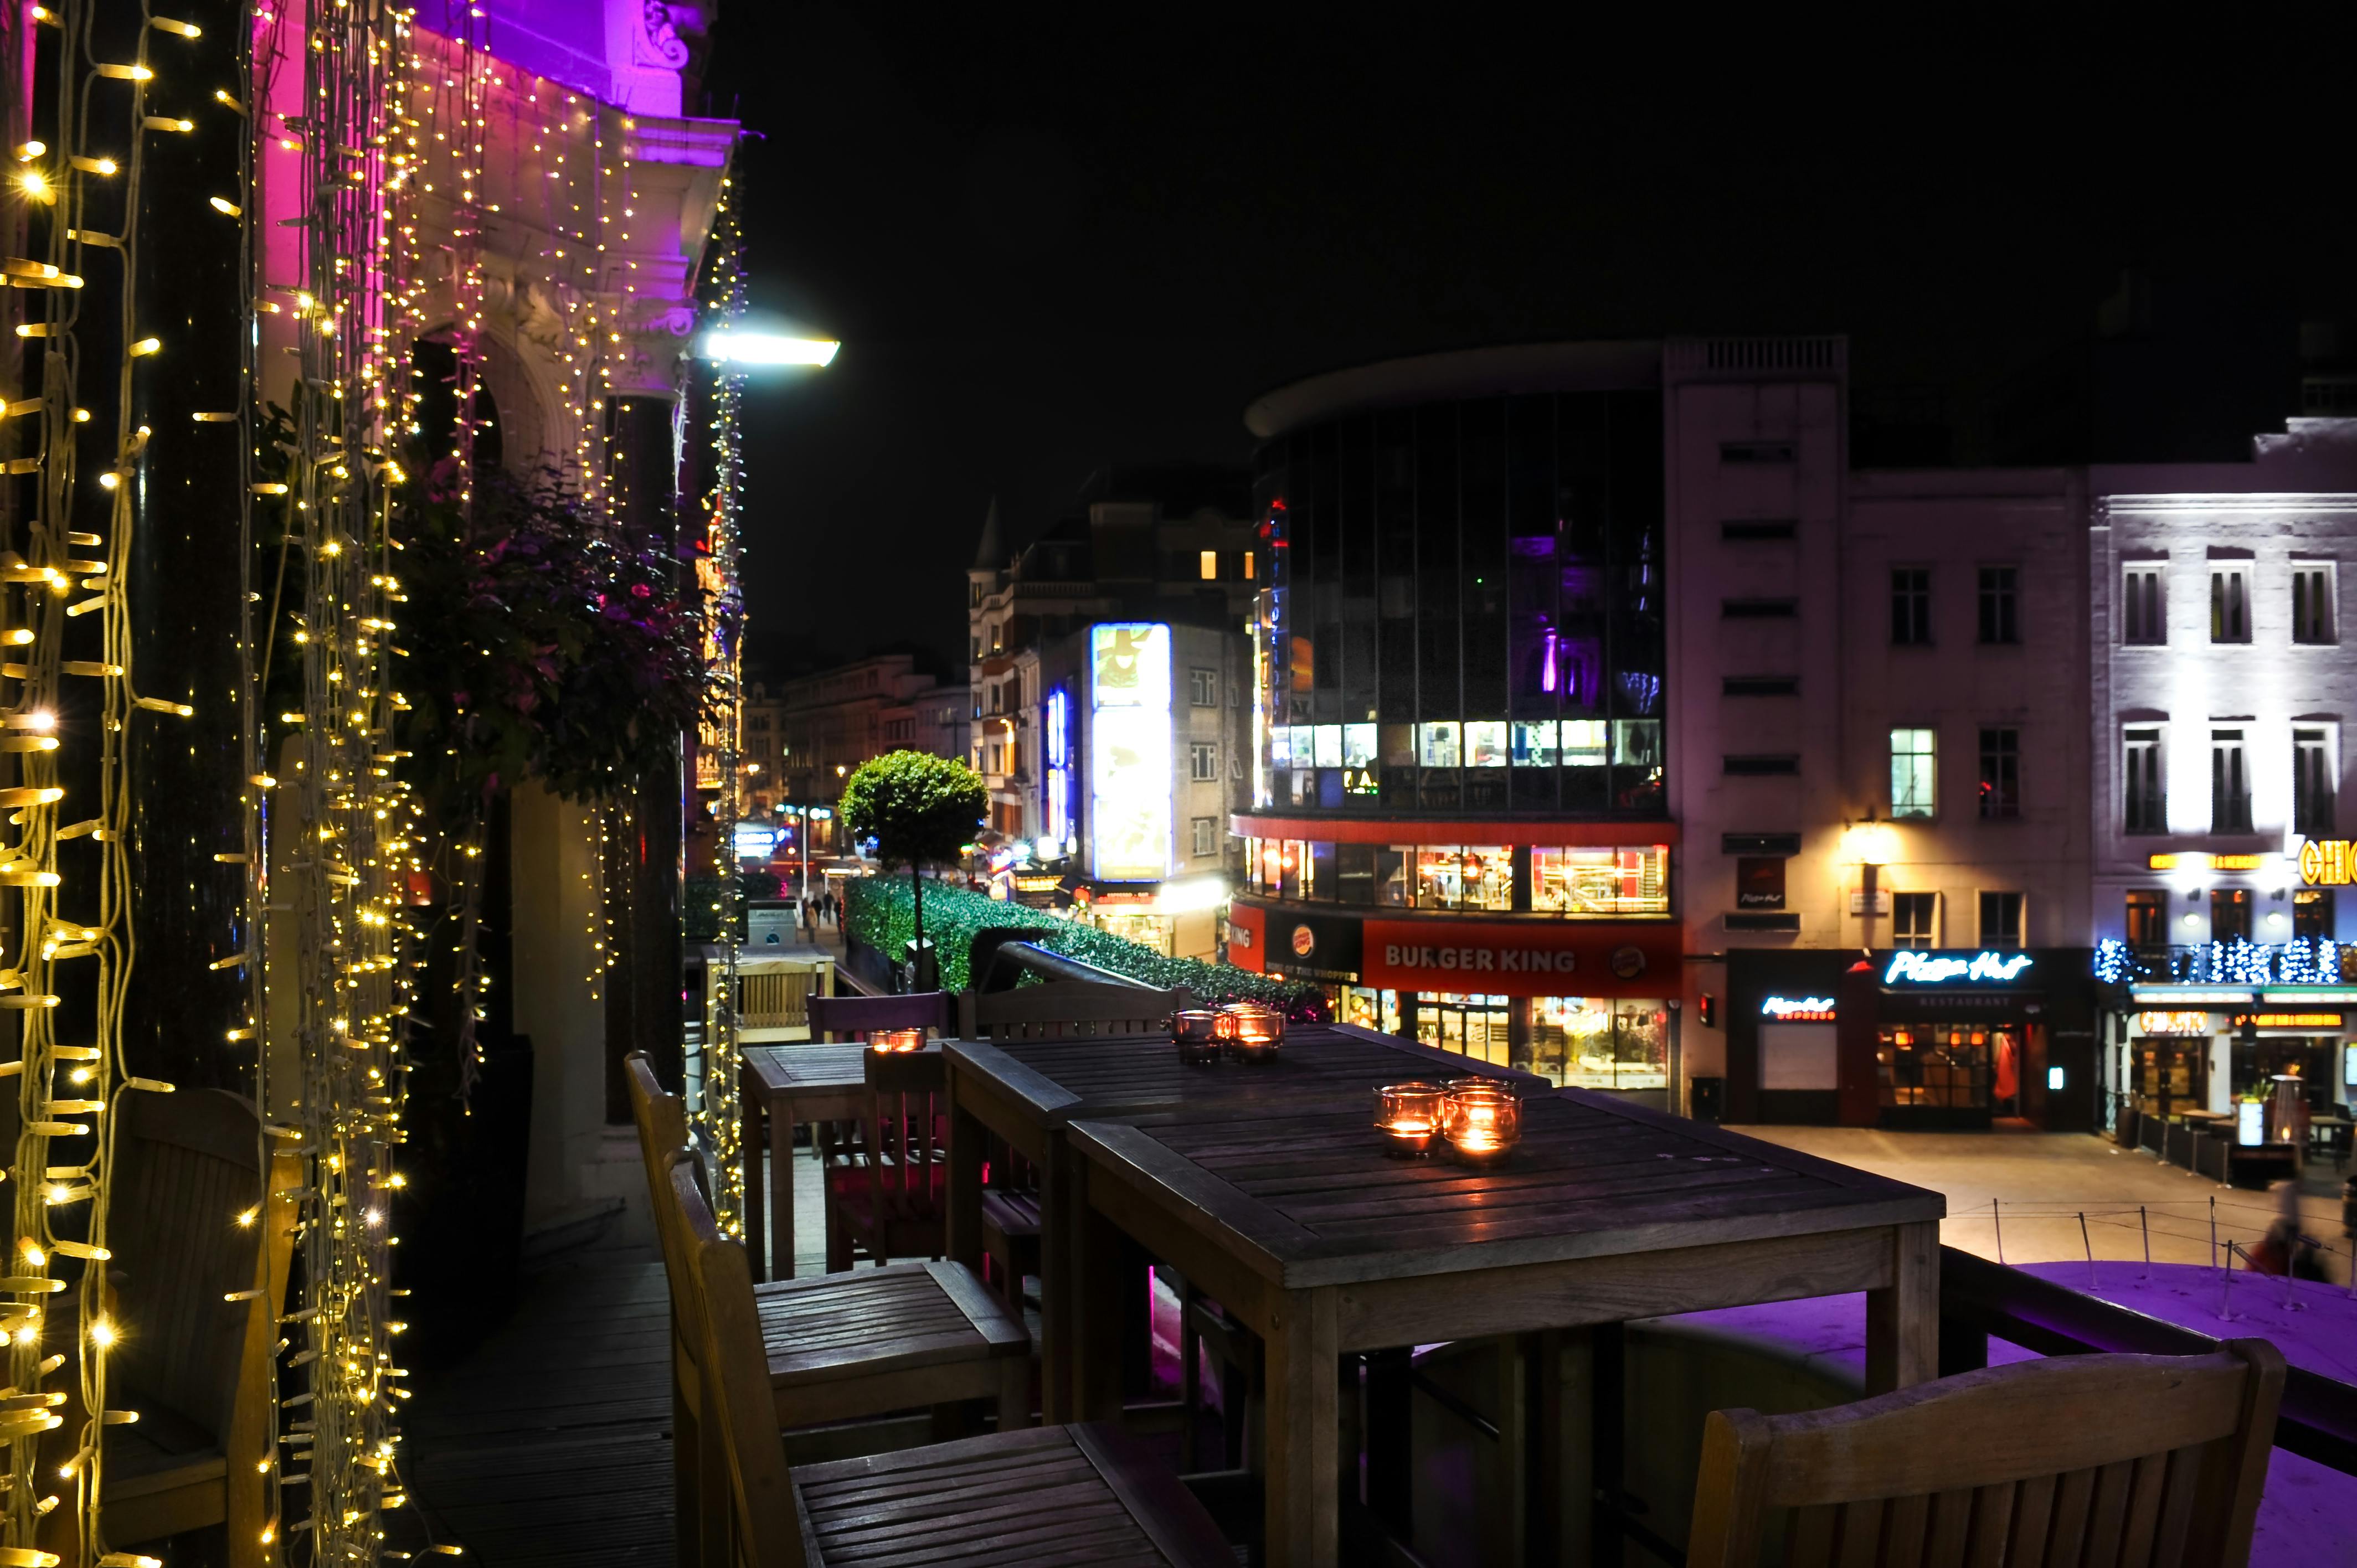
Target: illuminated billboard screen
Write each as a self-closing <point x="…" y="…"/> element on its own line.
<point x="1129" y="751"/>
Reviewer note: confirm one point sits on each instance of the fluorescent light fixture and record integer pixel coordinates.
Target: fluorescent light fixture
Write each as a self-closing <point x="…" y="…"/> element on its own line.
<point x="768" y="348"/>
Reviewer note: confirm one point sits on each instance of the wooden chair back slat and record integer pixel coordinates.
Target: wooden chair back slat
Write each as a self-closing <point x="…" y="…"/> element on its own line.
<point x="842" y="1017"/>
<point x="738" y="1401"/>
<point x="774" y="998"/>
<point x="186" y="1166"/>
<point x="906" y="1090"/>
<point x="1068" y="1009"/>
<point x="2138" y="1461"/>
<point x="661" y="1118"/>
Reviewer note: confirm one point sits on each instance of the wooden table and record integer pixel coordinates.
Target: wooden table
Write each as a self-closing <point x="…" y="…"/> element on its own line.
<point x="1028" y="1091"/>
<point x="803" y="1081"/>
<point x="1298" y="1222"/>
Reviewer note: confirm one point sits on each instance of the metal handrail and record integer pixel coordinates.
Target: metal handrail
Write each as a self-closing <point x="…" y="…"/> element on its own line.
<point x="1012" y="961"/>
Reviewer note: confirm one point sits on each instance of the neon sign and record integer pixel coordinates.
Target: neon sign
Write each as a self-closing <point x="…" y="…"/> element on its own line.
<point x="1917" y="968"/>
<point x="2325" y="863"/>
<point x="1129" y="751"/>
<point x="1798" y="1009"/>
<point x="1060" y="767"/>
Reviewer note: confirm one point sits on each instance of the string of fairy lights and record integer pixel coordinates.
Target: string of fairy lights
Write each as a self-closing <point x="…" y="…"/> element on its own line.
<point x="78" y="190"/>
<point x="719" y="1122"/>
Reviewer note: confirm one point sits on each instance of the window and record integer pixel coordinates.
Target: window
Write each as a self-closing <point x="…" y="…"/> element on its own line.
<point x="2148" y="914"/>
<point x="2230" y="785"/>
<point x="1203" y="761"/>
<point x="1761" y="686"/>
<point x="1477" y="876"/>
<point x="2311" y="912"/>
<point x="1914" y="919"/>
<point x="1485" y="743"/>
<point x="2230" y="604"/>
<point x="2311" y="603"/>
<point x="2001" y="774"/>
<point x="2311" y="783"/>
<point x="1204" y="688"/>
<point x="2000" y="920"/>
<point x="2000" y="587"/>
<point x="2230" y="914"/>
<point x="1207" y="835"/>
<point x="1910" y="606"/>
<point x="1633" y="880"/>
<point x="2144" y="613"/>
<point x="2147" y="807"/>
<point x="1437" y="744"/>
<point x="1534" y="744"/>
<point x="1914" y="773"/>
<point x="1248" y="565"/>
<point x="1210" y="566"/>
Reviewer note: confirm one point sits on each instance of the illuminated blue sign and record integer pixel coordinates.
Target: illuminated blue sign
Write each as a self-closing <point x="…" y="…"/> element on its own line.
<point x="1060" y="767"/>
<point x="1912" y="967"/>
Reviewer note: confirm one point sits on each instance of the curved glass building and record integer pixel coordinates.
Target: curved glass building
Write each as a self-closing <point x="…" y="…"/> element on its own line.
<point x="1459" y="795"/>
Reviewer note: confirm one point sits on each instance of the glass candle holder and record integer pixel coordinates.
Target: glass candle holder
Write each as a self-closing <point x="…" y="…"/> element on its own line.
<point x="1408" y="1115"/>
<point x="1254" y="1033"/>
<point x="1482" y="1120"/>
<point x="896" y="1042"/>
<point x="1195" y="1033"/>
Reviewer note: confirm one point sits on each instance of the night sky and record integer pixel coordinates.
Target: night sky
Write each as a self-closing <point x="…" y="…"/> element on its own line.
<point x="1048" y="245"/>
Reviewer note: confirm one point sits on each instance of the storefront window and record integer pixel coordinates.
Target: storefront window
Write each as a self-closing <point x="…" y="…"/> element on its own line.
<point x="1437" y="744"/>
<point x="1329" y="744"/>
<point x="1942" y="1066"/>
<point x="1591" y="1042"/>
<point x="1477" y="1026"/>
<point x="1472" y="877"/>
<point x="1358" y="745"/>
<point x="1485" y="743"/>
<point x="1605" y="883"/>
<point x="1535" y="744"/>
<point x="1369" y="1009"/>
<point x="1280" y="746"/>
<point x="1392" y="866"/>
<point x="1155" y="931"/>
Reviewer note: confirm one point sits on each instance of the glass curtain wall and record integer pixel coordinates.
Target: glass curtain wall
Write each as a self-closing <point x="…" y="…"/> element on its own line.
<point x="1467" y="608"/>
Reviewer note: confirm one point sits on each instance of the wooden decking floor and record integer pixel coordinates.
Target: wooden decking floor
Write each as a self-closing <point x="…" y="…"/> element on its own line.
<point x="550" y="1446"/>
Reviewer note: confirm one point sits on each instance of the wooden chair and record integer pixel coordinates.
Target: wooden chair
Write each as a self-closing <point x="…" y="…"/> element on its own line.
<point x="843" y="1018"/>
<point x="839" y="1348"/>
<point x="887" y="1192"/>
<point x="196" y="1367"/>
<point x="2135" y="1460"/>
<point x="1066" y="1009"/>
<point x="1010" y="1240"/>
<point x="1046" y="1495"/>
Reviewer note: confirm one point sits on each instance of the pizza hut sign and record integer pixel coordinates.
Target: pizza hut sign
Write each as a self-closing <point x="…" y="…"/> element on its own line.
<point x="1531" y="960"/>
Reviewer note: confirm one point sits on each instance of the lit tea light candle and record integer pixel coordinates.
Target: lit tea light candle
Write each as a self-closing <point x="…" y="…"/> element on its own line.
<point x="1254" y="1033"/>
<point x="1196" y="1032"/>
<point x="1482" y="1120"/>
<point x="1408" y="1115"/>
<point x="894" y="1042"/>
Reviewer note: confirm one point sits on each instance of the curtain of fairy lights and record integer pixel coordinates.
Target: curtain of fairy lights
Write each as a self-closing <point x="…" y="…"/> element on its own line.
<point x="347" y="815"/>
<point x="67" y="641"/>
<point x="717" y="1121"/>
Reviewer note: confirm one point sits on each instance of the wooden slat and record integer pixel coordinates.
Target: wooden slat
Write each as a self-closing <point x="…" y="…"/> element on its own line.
<point x="1948" y="1529"/>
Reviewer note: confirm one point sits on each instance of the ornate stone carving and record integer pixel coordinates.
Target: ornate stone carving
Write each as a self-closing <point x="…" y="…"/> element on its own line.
<point x="662" y="44"/>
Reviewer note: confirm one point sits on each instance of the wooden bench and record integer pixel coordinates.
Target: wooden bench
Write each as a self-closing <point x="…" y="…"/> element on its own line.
<point x="1066" y="1009"/>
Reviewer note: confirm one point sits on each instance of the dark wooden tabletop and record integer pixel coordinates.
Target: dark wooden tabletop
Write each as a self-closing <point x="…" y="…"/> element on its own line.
<point x="1309" y="1195"/>
<point x="800" y="1066"/>
<point x="1065" y="1080"/>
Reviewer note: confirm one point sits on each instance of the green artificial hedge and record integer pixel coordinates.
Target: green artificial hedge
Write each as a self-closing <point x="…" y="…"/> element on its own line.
<point x="880" y="916"/>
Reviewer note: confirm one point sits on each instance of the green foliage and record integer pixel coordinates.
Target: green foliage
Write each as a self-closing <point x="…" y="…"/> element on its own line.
<point x="700" y="922"/>
<point x="881" y="914"/>
<point x="920" y="809"/>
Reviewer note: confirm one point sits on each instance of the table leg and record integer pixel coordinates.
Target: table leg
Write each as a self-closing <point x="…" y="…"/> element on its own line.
<point x="1503" y="1488"/>
<point x="1903" y="1319"/>
<point x="1303" y="1488"/>
<point x="782" y="1190"/>
<point x="1057" y="1240"/>
<point x="749" y="1154"/>
<point x="1097" y="1292"/>
<point x="963" y="1216"/>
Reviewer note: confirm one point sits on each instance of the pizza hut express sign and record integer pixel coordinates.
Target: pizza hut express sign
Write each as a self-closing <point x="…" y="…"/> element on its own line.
<point x="1520" y="960"/>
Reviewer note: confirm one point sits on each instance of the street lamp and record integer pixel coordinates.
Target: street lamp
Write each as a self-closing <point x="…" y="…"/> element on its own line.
<point x="1875" y="844"/>
<point x="726" y="346"/>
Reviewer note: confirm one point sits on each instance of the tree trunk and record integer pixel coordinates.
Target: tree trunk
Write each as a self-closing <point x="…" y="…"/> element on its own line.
<point x="917" y="894"/>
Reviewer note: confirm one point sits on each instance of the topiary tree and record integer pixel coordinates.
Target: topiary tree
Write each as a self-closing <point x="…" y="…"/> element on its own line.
<point x="918" y="808"/>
